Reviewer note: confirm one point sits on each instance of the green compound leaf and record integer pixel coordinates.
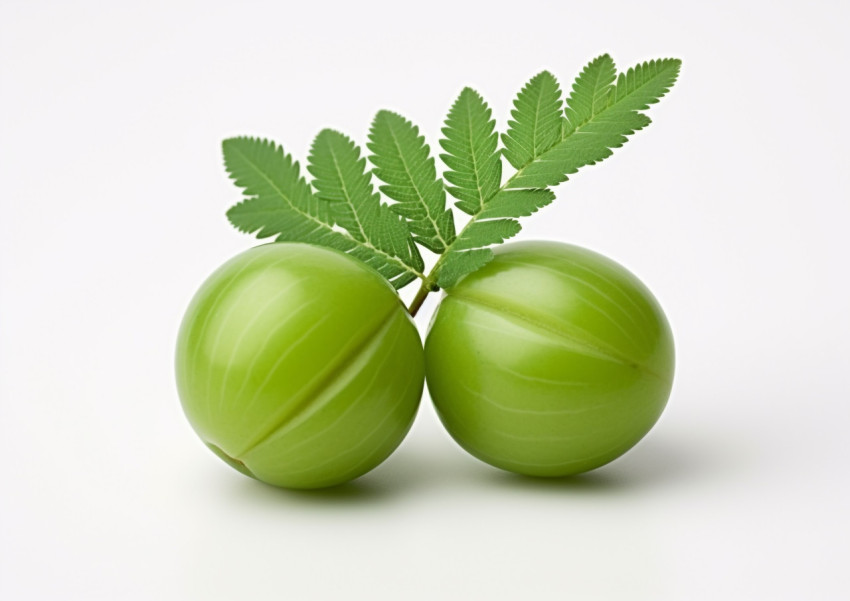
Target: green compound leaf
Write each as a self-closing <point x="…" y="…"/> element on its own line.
<point x="402" y="161"/>
<point x="279" y="202"/>
<point x="603" y="117"/>
<point x="341" y="179"/>
<point x="470" y="141"/>
<point x="545" y="144"/>
<point x="536" y="124"/>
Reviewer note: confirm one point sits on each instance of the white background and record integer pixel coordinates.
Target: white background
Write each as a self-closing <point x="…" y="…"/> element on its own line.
<point x="732" y="207"/>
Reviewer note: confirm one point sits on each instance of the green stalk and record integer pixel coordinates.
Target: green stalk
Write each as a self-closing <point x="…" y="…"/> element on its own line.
<point x="421" y="294"/>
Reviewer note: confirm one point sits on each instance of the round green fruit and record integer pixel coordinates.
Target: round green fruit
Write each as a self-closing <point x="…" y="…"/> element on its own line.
<point x="299" y="365"/>
<point x="551" y="360"/>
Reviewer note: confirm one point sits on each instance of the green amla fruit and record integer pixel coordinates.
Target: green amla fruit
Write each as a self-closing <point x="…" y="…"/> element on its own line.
<point x="551" y="360"/>
<point x="299" y="365"/>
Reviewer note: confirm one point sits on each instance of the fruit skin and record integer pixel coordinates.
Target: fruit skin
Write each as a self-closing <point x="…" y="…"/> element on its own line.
<point x="299" y="365"/>
<point x="550" y="360"/>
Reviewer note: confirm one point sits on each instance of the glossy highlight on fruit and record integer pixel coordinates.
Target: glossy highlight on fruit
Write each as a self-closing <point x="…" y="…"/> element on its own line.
<point x="299" y="365"/>
<point x="551" y="360"/>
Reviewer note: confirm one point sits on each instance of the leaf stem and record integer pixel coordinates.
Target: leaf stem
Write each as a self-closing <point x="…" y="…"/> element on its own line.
<point x="421" y="294"/>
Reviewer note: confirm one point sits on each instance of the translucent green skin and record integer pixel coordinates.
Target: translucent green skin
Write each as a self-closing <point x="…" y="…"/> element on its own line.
<point x="549" y="361"/>
<point x="299" y="366"/>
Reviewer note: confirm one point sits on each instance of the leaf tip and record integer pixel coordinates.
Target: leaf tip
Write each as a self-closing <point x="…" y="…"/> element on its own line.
<point x="232" y="142"/>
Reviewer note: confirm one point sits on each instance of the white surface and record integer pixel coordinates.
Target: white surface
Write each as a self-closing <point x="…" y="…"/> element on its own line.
<point x="732" y="207"/>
